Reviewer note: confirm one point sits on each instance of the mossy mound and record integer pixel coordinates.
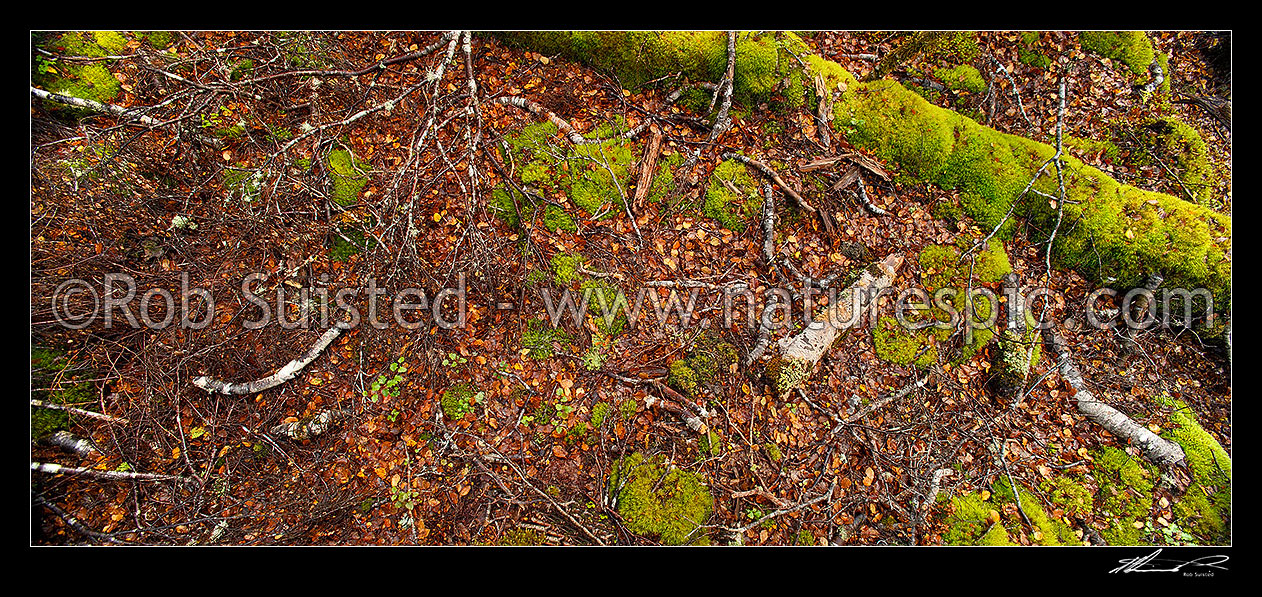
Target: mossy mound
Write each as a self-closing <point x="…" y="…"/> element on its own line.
<point x="706" y="363"/>
<point x="899" y="345"/>
<point x="522" y="537"/>
<point x="1131" y="48"/>
<point x="349" y="177"/>
<point x="85" y="80"/>
<point x="565" y="268"/>
<point x="980" y="519"/>
<point x="1205" y="508"/>
<point x="1030" y="53"/>
<point x="664" y="179"/>
<point x="657" y="500"/>
<point x="732" y="210"/>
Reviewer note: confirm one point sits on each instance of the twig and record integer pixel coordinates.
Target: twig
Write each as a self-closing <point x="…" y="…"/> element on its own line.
<point x="78" y="411"/>
<point x="285" y="373"/>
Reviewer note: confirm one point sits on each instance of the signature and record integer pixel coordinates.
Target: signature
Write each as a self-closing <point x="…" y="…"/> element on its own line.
<point x="1150" y="563"/>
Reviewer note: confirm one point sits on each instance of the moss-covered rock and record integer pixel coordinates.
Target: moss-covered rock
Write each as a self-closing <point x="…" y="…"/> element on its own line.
<point x="658" y="500"/>
<point x="1173" y="138"/>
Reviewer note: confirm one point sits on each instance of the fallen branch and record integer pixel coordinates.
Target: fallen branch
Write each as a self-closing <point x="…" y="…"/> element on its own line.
<point x="766" y="170"/>
<point x="285" y="373"/>
<point x="1159" y="451"/>
<point x="800" y="353"/>
<point x="647" y="166"/>
<point x="1157" y="78"/>
<point x="119" y="111"/>
<point x="57" y="469"/>
<point x="872" y="407"/>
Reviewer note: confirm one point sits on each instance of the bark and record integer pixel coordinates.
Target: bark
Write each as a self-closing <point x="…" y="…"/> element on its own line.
<point x="1159" y="451"/>
<point x="57" y="469"/>
<point x="799" y="354"/>
<point x="285" y="373"/>
<point x="72" y="443"/>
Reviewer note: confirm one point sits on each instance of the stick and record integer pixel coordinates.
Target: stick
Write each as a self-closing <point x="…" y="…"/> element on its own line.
<point x="766" y="170"/>
<point x="285" y="373"/>
<point x="78" y="411"/>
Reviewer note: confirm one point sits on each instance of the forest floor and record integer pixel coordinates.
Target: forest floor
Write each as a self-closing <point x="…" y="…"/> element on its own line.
<point x="526" y="455"/>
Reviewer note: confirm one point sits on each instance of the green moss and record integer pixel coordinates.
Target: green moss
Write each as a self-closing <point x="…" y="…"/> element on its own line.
<point x="956" y="46"/>
<point x="503" y="207"/>
<point x="707" y="362"/>
<point x="682" y="377"/>
<point x="457" y="401"/>
<point x="348" y="177"/>
<point x="898" y="345"/>
<point x="349" y="240"/>
<point x="565" y="268"/>
<point x="1071" y="495"/>
<point x="1205" y="508"/>
<point x="601" y="412"/>
<point x="1131" y="48"/>
<point x="627" y="409"/>
<point x="50" y="369"/>
<point x="1029" y="52"/>
<point x="730" y="209"/>
<point x="1089" y="147"/>
<point x="90" y="80"/>
<point x="773" y="451"/>
<point x="538" y="339"/>
<point x="556" y="220"/>
<point x="1118" y="233"/>
<point x="1125" y="495"/>
<point x="521" y="537"/>
<point x="962" y="77"/>
<point x="1174" y="138"/>
<point x="660" y="501"/>
<point x="241" y="70"/>
<point x="787" y="375"/>
<point x="972" y="519"/>
<point x="607" y="304"/>
<point x="805" y="538"/>
<point x="158" y="40"/>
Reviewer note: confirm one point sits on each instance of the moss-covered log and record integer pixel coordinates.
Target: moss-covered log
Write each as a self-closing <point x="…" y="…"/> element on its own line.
<point x="1112" y="234"/>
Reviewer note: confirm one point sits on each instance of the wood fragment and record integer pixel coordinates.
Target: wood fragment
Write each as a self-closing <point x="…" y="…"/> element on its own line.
<point x="286" y="373"/>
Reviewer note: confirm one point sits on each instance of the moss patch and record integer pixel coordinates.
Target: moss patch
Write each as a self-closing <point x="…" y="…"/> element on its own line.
<point x="732" y="210"/>
<point x="538" y="338"/>
<point x="1131" y="48"/>
<point x="1185" y="150"/>
<point x="660" y="501"/>
<point x="349" y="177"/>
<point x="49" y="369"/>
<point x="1125" y="495"/>
<point x="961" y="78"/>
<point x="980" y="519"/>
<point x="90" y="80"/>
<point x="1116" y="234"/>
<point x="458" y="400"/>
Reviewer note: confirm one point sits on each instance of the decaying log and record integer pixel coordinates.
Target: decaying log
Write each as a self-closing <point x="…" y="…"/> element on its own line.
<point x="1161" y="452"/>
<point x="799" y="354"/>
<point x="312" y="426"/>
<point x="285" y="373"/>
